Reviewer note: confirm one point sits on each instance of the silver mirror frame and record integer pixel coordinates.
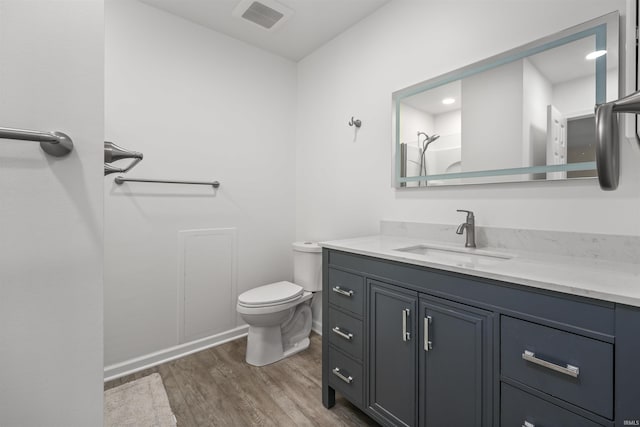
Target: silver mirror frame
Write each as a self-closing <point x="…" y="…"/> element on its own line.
<point x="597" y="26"/>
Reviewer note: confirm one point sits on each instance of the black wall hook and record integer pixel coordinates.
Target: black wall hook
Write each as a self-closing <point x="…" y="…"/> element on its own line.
<point x="357" y="123"/>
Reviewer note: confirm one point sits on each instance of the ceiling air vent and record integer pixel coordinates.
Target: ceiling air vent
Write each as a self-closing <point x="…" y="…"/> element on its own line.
<point x="268" y="14"/>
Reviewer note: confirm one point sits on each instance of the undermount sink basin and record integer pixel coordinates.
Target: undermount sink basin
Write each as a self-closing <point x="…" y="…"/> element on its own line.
<point x="458" y="256"/>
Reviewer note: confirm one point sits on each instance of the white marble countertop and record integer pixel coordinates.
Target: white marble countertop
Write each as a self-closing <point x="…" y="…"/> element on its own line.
<point x="593" y="278"/>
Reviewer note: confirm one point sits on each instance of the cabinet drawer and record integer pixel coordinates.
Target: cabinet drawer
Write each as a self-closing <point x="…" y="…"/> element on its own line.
<point x="346" y="290"/>
<point x="345" y="375"/>
<point x="518" y="408"/>
<point x="567" y="366"/>
<point x="345" y="332"/>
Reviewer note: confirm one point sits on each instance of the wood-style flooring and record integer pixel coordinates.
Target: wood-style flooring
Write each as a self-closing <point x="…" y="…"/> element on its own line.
<point x="216" y="387"/>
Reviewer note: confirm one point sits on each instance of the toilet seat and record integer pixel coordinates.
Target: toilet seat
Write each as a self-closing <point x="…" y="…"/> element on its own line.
<point x="269" y="295"/>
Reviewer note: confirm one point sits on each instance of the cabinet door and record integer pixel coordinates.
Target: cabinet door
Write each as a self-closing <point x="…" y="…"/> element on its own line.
<point x="455" y="364"/>
<point x="392" y="357"/>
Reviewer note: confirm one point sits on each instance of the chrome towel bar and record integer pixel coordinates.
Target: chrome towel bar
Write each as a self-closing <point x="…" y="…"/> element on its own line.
<point x="56" y="144"/>
<point x="121" y="180"/>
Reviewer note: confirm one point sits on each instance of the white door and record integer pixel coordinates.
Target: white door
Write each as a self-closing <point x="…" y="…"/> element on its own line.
<point x="556" y="141"/>
<point x="51" y="79"/>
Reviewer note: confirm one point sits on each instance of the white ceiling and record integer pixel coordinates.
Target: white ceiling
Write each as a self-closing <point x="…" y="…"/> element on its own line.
<point x="314" y="22"/>
<point x="430" y="101"/>
<point x="559" y="65"/>
<point x="567" y="62"/>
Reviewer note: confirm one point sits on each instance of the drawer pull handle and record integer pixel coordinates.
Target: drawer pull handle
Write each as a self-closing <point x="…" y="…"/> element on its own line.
<point x="406" y="335"/>
<point x="428" y="345"/>
<point x="346" y="335"/>
<point x="339" y="290"/>
<point x="572" y="371"/>
<point x="337" y="373"/>
<point x="528" y="424"/>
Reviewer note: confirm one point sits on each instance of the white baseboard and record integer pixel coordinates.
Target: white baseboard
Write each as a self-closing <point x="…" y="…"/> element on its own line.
<point x="127" y="367"/>
<point x="316" y="326"/>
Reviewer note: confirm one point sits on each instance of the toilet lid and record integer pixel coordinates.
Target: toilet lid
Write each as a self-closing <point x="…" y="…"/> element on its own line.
<point x="274" y="293"/>
<point x="307" y="247"/>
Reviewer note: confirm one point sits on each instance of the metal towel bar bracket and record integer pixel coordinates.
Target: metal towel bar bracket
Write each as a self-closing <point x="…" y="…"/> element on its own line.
<point x="109" y="168"/>
<point x="56" y="144"/>
<point x="121" y="180"/>
<point x="113" y="153"/>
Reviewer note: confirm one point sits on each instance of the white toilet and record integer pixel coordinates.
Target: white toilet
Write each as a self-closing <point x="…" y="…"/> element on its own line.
<point x="279" y="314"/>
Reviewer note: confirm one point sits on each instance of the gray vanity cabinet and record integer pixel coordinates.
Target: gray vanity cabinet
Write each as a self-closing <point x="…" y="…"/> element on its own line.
<point x="392" y="353"/>
<point x="417" y="346"/>
<point x="452" y="344"/>
<point x="455" y="373"/>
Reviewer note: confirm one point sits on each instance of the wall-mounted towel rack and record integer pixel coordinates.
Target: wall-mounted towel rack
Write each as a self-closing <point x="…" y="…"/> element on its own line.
<point x="121" y="180"/>
<point x="113" y="153"/>
<point x="56" y="144"/>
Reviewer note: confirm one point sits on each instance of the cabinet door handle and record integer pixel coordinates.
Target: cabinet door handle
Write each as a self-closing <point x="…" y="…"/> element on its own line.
<point x="428" y="345"/>
<point x="347" y="336"/>
<point x="406" y="335"/>
<point x="572" y="371"/>
<point x="337" y="373"/>
<point x="339" y="290"/>
<point x="528" y="424"/>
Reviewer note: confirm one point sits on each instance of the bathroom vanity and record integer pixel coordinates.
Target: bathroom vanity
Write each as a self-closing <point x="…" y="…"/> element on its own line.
<point x="418" y="339"/>
<point x="541" y="330"/>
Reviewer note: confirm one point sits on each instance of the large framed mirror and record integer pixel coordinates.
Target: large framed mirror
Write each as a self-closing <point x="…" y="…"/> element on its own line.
<point x="524" y="115"/>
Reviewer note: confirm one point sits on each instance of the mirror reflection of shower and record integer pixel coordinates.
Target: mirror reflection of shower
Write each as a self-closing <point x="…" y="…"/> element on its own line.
<point x="422" y="147"/>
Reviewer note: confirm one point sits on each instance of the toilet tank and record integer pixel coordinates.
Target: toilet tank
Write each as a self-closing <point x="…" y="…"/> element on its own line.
<point x="307" y="266"/>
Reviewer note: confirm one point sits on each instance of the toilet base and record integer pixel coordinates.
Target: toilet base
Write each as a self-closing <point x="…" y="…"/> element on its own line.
<point x="264" y="345"/>
<point x="298" y="347"/>
<point x="268" y="344"/>
<point x="266" y="354"/>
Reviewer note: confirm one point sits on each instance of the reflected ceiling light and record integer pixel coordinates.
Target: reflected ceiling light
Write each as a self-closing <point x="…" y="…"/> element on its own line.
<point x="448" y="101"/>
<point x="596" y="54"/>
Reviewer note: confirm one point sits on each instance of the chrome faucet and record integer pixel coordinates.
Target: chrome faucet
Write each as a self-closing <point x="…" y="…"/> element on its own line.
<point x="470" y="226"/>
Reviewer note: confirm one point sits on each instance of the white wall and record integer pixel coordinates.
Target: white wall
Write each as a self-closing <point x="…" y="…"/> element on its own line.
<point x="413" y="120"/>
<point x="536" y="95"/>
<point x="491" y="123"/>
<point x="401" y="44"/>
<point x="51" y="78"/>
<point x="199" y="105"/>
<point x="575" y="97"/>
<point x="448" y="123"/>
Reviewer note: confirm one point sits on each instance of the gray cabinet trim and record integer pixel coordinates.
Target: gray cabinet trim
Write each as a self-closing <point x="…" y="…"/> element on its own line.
<point x="627" y="365"/>
<point x="559" y="402"/>
<point x="478" y="358"/>
<point x="352" y="343"/>
<point x="349" y="380"/>
<point x="346" y="290"/>
<point x="592" y="389"/>
<point x="519" y="406"/>
<point x="584" y="316"/>
<point x="398" y="379"/>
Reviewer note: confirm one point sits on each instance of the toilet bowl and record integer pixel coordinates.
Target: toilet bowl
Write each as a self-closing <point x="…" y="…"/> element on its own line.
<point x="279" y="314"/>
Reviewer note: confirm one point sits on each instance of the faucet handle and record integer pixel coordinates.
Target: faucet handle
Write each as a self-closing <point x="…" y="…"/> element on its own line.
<point x="469" y="213"/>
